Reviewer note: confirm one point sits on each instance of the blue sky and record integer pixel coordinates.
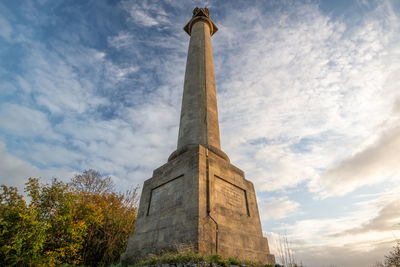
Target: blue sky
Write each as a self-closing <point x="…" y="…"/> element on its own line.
<point x="308" y="95"/>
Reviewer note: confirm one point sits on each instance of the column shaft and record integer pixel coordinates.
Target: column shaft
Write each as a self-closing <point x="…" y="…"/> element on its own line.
<point x="199" y="114"/>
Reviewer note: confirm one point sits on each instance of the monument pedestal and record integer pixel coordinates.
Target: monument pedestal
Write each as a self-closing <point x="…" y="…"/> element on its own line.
<point x="198" y="199"/>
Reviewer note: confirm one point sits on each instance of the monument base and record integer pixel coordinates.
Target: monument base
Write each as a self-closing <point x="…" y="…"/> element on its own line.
<point x="198" y="200"/>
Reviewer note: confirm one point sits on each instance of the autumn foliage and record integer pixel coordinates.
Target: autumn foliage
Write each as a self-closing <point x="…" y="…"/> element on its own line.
<point x="84" y="222"/>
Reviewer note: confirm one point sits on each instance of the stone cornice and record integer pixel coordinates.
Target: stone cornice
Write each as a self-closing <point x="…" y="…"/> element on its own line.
<point x="201" y="14"/>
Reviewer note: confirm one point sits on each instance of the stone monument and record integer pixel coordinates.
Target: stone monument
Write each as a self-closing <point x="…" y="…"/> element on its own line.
<point x="198" y="198"/>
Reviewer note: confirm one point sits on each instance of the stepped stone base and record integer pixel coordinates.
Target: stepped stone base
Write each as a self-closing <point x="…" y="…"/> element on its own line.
<point x="198" y="199"/>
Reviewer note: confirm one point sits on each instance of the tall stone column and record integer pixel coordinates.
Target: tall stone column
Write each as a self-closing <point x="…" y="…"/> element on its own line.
<point x="198" y="199"/>
<point x="199" y="114"/>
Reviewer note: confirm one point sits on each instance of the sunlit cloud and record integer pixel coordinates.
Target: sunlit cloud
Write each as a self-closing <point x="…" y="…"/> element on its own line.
<point x="277" y="208"/>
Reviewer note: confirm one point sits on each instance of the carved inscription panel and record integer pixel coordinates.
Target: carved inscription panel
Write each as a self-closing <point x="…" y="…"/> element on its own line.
<point x="230" y="196"/>
<point x="165" y="198"/>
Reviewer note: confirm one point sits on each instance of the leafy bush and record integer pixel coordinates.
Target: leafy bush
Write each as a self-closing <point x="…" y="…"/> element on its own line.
<point x="233" y="261"/>
<point x="215" y="258"/>
<point x="82" y="222"/>
<point x="21" y="234"/>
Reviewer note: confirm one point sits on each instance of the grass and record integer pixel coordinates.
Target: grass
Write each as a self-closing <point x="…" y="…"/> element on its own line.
<point x="190" y="257"/>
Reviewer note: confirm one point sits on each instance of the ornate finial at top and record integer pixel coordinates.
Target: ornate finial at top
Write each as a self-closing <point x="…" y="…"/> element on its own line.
<point x="205" y="11"/>
<point x="201" y="14"/>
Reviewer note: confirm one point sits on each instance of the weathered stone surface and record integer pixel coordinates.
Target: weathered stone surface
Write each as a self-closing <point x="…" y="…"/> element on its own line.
<point x="177" y="202"/>
<point x="199" y="114"/>
<point x="198" y="198"/>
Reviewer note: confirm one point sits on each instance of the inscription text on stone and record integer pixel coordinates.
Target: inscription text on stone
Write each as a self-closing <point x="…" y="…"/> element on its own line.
<point x="166" y="197"/>
<point x="230" y="196"/>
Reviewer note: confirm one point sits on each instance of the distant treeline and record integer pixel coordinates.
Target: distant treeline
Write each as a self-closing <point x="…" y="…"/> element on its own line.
<point x="83" y="222"/>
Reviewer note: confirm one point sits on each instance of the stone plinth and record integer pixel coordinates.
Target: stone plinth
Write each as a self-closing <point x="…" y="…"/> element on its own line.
<point x="185" y="202"/>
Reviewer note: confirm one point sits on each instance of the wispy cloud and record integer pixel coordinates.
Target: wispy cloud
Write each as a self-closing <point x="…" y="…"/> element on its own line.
<point x="14" y="171"/>
<point x="146" y="13"/>
<point x="375" y="164"/>
<point x="122" y="40"/>
<point x="374" y="161"/>
<point x="23" y="121"/>
<point x="388" y="219"/>
<point x="278" y="208"/>
<point x="366" y="232"/>
<point x="348" y="255"/>
<point x="5" y="29"/>
<point x="317" y="83"/>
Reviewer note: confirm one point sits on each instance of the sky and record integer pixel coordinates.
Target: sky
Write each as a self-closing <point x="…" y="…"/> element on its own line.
<point x="308" y="99"/>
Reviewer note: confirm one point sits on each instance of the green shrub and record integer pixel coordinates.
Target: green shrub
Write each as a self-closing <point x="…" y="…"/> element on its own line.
<point x="172" y="257"/>
<point x="233" y="261"/>
<point x="82" y="222"/>
<point x="190" y="257"/>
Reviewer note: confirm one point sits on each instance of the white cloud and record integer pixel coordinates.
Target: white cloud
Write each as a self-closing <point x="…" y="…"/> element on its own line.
<point x="69" y="83"/>
<point x="388" y="219"/>
<point x="374" y="160"/>
<point x="122" y="40"/>
<point x="277" y="208"/>
<point x="15" y="171"/>
<point x="350" y="255"/>
<point x="52" y="155"/>
<point x="5" y="29"/>
<point x="375" y="164"/>
<point x="363" y="234"/>
<point x="302" y="91"/>
<point x="344" y="256"/>
<point x="146" y="13"/>
<point x="57" y="87"/>
<point x="22" y="121"/>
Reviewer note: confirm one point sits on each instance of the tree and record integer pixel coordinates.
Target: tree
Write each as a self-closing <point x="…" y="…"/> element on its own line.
<point x="393" y="258"/>
<point x="56" y="204"/>
<point x="21" y="234"/>
<point x="110" y="217"/>
<point x="82" y="222"/>
<point x="91" y="181"/>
